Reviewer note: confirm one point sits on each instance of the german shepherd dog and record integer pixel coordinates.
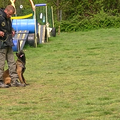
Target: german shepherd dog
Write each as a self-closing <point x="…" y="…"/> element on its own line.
<point x="20" y="69"/>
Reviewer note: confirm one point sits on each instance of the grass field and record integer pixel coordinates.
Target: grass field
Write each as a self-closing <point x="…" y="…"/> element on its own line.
<point x="75" y="76"/>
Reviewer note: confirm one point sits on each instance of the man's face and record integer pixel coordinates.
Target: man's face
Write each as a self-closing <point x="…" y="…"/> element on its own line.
<point x="9" y="13"/>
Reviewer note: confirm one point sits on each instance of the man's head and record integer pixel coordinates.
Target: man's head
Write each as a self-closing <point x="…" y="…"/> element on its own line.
<point x="9" y="10"/>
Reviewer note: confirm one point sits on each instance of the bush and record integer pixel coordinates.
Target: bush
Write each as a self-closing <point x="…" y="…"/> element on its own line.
<point x="100" y="20"/>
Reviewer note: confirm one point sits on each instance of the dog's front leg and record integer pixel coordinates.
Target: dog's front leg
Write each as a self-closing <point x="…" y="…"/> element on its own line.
<point x="24" y="79"/>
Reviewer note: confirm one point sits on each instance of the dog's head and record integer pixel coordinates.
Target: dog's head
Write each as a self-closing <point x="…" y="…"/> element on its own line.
<point x="21" y="56"/>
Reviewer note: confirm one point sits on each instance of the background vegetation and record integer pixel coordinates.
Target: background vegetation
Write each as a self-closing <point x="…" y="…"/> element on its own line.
<point x="77" y="15"/>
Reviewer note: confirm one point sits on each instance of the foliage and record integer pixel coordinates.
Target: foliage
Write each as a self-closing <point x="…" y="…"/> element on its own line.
<point x="75" y="15"/>
<point x="100" y="20"/>
<point x="86" y="14"/>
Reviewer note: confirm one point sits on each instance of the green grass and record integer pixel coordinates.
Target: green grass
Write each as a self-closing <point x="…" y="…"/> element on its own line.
<point x="75" y="76"/>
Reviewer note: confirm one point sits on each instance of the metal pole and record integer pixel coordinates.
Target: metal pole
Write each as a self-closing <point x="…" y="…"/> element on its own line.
<point x="46" y="23"/>
<point x="52" y="16"/>
<point x="35" y="28"/>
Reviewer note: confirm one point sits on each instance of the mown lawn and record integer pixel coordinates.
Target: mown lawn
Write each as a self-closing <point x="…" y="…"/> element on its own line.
<point x="75" y="76"/>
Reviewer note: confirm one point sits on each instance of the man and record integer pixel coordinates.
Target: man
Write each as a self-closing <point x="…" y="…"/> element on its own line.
<point x="6" y="43"/>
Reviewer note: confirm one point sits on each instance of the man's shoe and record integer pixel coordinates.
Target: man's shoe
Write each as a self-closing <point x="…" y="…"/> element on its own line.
<point x="17" y="84"/>
<point x="2" y="85"/>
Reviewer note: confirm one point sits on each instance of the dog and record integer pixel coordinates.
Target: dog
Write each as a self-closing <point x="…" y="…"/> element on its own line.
<point x="20" y="69"/>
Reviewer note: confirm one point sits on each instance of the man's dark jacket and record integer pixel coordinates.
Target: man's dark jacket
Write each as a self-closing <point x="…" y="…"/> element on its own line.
<point x="6" y="27"/>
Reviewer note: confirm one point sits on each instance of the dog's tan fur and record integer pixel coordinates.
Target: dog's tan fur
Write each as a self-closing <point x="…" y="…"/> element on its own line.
<point x="6" y="77"/>
<point x="20" y="68"/>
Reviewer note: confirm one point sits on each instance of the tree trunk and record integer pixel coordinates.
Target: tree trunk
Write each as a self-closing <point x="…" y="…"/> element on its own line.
<point x="58" y="10"/>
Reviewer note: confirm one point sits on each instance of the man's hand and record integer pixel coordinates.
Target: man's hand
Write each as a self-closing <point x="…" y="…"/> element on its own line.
<point x="1" y="33"/>
<point x="13" y="33"/>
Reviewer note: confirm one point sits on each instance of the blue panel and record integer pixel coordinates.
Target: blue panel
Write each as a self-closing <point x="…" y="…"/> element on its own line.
<point x="37" y="5"/>
<point x="15" y="47"/>
<point x="24" y="24"/>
